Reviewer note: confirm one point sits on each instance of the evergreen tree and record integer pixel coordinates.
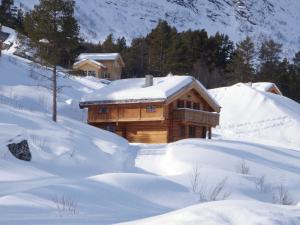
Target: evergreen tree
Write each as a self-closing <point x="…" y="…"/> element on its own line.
<point x="6" y="11"/>
<point x="120" y="45"/>
<point x="242" y="61"/>
<point x="177" y="61"/>
<point x="296" y="60"/>
<point x="54" y="31"/>
<point x="159" y="40"/>
<point x="108" y="45"/>
<point x="1" y="44"/>
<point x="136" y="58"/>
<point x="269" y="56"/>
<point x="270" y="52"/>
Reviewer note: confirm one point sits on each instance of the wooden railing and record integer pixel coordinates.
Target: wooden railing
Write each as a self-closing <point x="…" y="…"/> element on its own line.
<point x="196" y="116"/>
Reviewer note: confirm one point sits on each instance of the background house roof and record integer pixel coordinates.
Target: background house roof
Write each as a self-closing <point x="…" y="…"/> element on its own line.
<point x="133" y="91"/>
<point x="76" y="64"/>
<point x="98" y="56"/>
<point x="265" y="86"/>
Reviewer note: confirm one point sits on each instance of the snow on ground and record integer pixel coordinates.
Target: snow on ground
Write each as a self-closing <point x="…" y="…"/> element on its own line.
<point x="248" y="113"/>
<point x="227" y="212"/>
<point x="83" y="175"/>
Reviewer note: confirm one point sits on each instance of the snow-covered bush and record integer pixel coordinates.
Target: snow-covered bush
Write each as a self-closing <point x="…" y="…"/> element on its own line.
<point x="243" y="168"/>
<point x="281" y="195"/>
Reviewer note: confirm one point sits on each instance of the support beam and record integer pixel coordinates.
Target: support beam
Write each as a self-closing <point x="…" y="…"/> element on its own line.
<point x="209" y="133"/>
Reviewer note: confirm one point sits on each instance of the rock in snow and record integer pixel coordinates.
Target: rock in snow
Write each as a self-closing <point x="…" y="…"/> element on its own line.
<point x="20" y="150"/>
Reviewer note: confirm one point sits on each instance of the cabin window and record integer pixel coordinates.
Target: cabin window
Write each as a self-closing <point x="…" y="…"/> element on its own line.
<point x="103" y="110"/>
<point x="150" y="108"/>
<point x="180" y="104"/>
<point x="189" y="104"/>
<point x="182" y="131"/>
<point x="105" y="75"/>
<point x="91" y="73"/>
<point x="192" y="131"/>
<point x="196" y="106"/>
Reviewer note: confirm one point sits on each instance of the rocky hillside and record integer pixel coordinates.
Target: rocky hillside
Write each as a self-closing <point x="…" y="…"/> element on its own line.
<point x="237" y="18"/>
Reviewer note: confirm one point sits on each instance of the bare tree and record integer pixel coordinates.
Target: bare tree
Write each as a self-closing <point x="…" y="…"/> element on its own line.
<point x="217" y="192"/>
<point x="55" y="37"/>
<point x="281" y="195"/>
<point x="66" y="205"/>
<point x="261" y="185"/>
<point x="243" y="168"/>
<point x="195" y="179"/>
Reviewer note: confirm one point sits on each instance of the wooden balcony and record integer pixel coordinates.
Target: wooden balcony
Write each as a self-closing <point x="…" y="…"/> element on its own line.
<point x="193" y="116"/>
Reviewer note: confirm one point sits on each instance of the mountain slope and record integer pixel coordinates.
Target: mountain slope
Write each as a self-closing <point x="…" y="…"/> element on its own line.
<point x="277" y="19"/>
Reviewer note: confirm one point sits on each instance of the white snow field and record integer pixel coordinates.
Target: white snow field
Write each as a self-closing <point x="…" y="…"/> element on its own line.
<point x="251" y="113"/>
<point x="82" y="175"/>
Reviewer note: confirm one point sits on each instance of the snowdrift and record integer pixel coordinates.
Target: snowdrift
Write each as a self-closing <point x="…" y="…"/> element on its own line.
<point x="227" y="212"/>
<point x="248" y="113"/>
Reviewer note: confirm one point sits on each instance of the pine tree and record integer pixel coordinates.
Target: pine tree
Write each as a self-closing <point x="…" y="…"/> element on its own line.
<point x="269" y="56"/>
<point x="270" y="52"/>
<point x="136" y="58"/>
<point x="5" y="11"/>
<point x="54" y="31"/>
<point x="108" y="45"/>
<point x="242" y="61"/>
<point x="159" y="40"/>
<point x="121" y="45"/>
<point x="1" y="44"/>
<point x="296" y="60"/>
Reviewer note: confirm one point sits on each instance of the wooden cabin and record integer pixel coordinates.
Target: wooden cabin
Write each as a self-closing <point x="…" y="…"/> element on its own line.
<point x="102" y="65"/>
<point x="154" y="110"/>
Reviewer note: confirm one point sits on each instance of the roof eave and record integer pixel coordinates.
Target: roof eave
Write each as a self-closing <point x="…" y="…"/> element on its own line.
<point x="85" y="104"/>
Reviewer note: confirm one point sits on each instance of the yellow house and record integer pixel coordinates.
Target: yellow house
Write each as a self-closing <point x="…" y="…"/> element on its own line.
<point x="102" y="65"/>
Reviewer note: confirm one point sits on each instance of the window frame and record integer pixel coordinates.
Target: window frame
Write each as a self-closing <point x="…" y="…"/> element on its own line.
<point x="180" y="104"/>
<point x="189" y="104"/>
<point x="103" y="110"/>
<point x="151" y="108"/>
<point x="91" y="73"/>
<point x="196" y="106"/>
<point x="105" y="75"/>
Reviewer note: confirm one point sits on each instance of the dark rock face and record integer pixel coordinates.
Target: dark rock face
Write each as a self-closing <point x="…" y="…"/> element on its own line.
<point x="20" y="150"/>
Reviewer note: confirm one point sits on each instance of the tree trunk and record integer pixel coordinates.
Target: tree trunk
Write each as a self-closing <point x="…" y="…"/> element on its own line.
<point x="54" y="94"/>
<point x="0" y="47"/>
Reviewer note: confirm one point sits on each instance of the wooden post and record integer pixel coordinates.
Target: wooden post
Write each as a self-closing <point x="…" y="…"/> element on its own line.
<point x="54" y="94"/>
<point x="209" y="133"/>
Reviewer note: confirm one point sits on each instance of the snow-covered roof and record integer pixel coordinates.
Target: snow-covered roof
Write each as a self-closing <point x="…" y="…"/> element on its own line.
<point x="90" y="60"/>
<point x="133" y="90"/>
<point x="266" y="86"/>
<point x="98" y="56"/>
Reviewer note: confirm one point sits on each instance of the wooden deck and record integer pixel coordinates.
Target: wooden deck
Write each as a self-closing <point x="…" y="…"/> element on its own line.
<point x="196" y="117"/>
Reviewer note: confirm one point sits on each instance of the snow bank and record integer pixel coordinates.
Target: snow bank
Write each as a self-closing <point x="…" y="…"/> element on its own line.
<point x="26" y="86"/>
<point x="253" y="114"/>
<point x="227" y="212"/>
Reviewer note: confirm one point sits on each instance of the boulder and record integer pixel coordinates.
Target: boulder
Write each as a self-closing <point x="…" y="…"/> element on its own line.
<point x="20" y="150"/>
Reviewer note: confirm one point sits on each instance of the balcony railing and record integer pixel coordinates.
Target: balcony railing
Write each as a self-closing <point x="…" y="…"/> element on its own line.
<point x="196" y="116"/>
